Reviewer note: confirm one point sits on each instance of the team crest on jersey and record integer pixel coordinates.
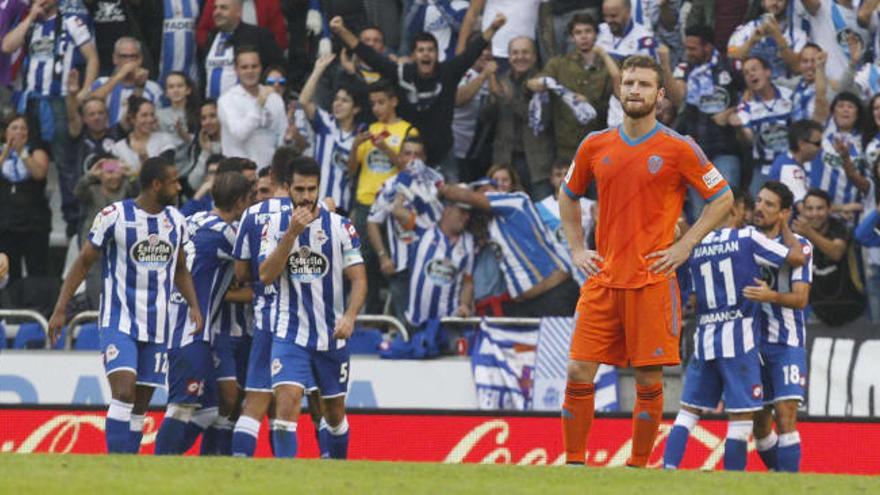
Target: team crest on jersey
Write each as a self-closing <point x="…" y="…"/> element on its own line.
<point x="340" y="159"/>
<point x="153" y="253"/>
<point x="655" y="163"/>
<point x="276" y="366"/>
<point x="111" y="353"/>
<point x="177" y="298"/>
<point x="321" y="236"/>
<point x="440" y="272"/>
<point x="306" y="265"/>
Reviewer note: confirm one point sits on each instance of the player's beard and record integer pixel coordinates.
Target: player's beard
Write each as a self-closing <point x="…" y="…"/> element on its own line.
<point x="643" y="110"/>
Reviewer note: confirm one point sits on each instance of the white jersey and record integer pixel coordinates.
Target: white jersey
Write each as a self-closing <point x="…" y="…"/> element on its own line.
<point x="249" y="130"/>
<point x="117" y="99"/>
<point x="830" y="28"/>
<point x="220" y="67"/>
<point x="139" y="258"/>
<point x="179" y="39"/>
<point x="310" y="289"/>
<point x="332" y="147"/>
<point x="636" y="39"/>
<point x="522" y="18"/>
<point x="158" y="143"/>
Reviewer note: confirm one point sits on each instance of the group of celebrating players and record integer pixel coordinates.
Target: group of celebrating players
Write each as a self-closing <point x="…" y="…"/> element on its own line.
<point x="175" y="290"/>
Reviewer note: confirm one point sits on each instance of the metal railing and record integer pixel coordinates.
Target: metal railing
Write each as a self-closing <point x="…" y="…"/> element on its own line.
<point x="498" y="320"/>
<point x="29" y="314"/>
<point x="74" y="322"/>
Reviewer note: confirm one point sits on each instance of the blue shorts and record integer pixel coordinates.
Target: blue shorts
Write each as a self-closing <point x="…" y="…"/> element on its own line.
<point x="258" y="377"/>
<point x="737" y="380"/>
<point x="231" y="357"/>
<point x="295" y="365"/>
<point x="784" y="372"/>
<point x="191" y="375"/>
<point x="147" y="360"/>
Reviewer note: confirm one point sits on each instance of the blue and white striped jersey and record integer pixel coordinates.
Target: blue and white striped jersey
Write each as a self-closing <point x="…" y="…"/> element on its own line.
<point x="826" y="170"/>
<point x="332" y="147"/>
<point x="310" y="289"/>
<point x="548" y="209"/>
<point x="209" y="258"/>
<point x="722" y="265"/>
<point x="179" y="39"/>
<point x="437" y="269"/>
<point x="219" y="66"/>
<point x="418" y="184"/>
<point x="803" y="100"/>
<point x="530" y="251"/>
<point x="768" y="121"/>
<point x="235" y="320"/>
<point x="48" y="62"/>
<point x="139" y="257"/>
<point x="780" y="325"/>
<point x="247" y="248"/>
<point x="117" y="99"/>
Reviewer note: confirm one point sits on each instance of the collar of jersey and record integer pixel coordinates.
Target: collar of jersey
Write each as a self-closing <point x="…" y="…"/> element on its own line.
<point x="634" y="142"/>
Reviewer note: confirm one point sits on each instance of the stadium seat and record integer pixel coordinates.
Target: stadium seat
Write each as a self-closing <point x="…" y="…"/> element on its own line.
<point x="365" y="341"/>
<point x="29" y="336"/>
<point x="88" y="338"/>
<point x="62" y="339"/>
<point x="3" y="343"/>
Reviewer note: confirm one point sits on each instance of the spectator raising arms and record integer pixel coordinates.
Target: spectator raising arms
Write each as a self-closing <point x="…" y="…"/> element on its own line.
<point x="129" y="78"/>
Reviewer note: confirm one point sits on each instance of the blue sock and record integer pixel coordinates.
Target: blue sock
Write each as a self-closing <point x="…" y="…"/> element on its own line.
<point x="735" y="454"/>
<point x="209" y="442"/>
<point x="271" y="437"/>
<point x="117" y="427"/>
<point x="789" y="453"/>
<point x="190" y="435"/>
<point x="244" y="436"/>
<point x="337" y="440"/>
<point x="284" y="434"/>
<point x="323" y="441"/>
<point x="201" y="420"/>
<point x="171" y="437"/>
<point x="767" y="450"/>
<point x="136" y="432"/>
<point x="678" y="437"/>
<point x="223" y="427"/>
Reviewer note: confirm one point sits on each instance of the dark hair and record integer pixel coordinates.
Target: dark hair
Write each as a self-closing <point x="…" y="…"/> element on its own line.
<point x="153" y="169"/>
<point x="515" y="182"/>
<point x="800" y="131"/>
<point x="786" y="198"/>
<point x="743" y="196"/>
<point x="215" y="158"/>
<point x="305" y="166"/>
<point x="581" y="18"/>
<point x="705" y="33"/>
<point x="280" y="168"/>
<point x="135" y="103"/>
<point x="372" y="27"/>
<point x="264" y="172"/>
<point x="9" y="120"/>
<point x="191" y="109"/>
<point x="819" y="193"/>
<point x="206" y="102"/>
<point x="810" y="44"/>
<point x="229" y="188"/>
<point x="383" y="86"/>
<point x="761" y="60"/>
<point x="423" y="37"/>
<point x="355" y="92"/>
<point x="870" y="129"/>
<point x="643" y="62"/>
<point x="851" y="98"/>
<point x="235" y="164"/>
<point x="561" y="162"/>
<point x="413" y="140"/>
<point x="240" y="50"/>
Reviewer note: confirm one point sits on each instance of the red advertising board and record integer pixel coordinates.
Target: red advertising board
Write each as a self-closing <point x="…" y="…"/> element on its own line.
<point x="829" y="447"/>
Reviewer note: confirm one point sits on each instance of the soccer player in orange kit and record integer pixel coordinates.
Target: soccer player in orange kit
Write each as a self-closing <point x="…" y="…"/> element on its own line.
<point x="629" y="312"/>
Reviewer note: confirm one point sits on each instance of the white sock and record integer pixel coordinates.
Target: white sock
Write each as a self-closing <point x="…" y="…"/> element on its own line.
<point x="340" y="429"/>
<point x="137" y="422"/>
<point x="766" y="443"/>
<point x="280" y="424"/>
<point x="739" y="430"/>
<point x="787" y="439"/>
<point x="686" y="419"/>
<point x="120" y="411"/>
<point x="248" y="425"/>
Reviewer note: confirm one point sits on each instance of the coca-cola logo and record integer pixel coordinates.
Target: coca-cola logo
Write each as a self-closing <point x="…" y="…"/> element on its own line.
<point x="65" y="433"/>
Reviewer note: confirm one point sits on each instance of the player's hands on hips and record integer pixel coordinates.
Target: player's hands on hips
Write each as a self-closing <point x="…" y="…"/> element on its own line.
<point x="587" y="260"/>
<point x="344" y="327"/>
<point x="668" y="260"/>
<point x="760" y="292"/>
<point x="56" y="322"/>
<point x="196" y="318"/>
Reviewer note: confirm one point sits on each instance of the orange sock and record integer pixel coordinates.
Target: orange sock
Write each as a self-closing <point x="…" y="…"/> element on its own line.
<point x="577" y="415"/>
<point x="646" y="420"/>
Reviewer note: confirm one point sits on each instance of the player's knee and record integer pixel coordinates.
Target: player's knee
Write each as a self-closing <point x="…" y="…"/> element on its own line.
<point x="123" y="394"/>
<point x="786" y="416"/>
<point x="582" y="371"/>
<point x="287" y="401"/>
<point x="334" y="411"/>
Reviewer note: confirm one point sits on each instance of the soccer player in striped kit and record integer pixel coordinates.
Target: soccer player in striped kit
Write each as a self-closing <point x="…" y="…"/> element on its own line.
<point x="726" y="363"/>
<point x="783" y="294"/>
<point x="191" y="379"/>
<point x="139" y="242"/>
<point x="306" y="254"/>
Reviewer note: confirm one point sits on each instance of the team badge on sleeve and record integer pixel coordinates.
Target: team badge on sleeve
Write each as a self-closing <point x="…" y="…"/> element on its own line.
<point x="712" y="178"/>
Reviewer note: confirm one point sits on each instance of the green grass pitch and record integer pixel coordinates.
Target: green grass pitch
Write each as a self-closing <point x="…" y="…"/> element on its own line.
<point x="117" y="475"/>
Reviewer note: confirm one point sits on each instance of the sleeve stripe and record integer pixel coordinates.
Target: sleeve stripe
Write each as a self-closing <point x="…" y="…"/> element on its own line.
<point x="569" y="193"/>
<point x="718" y="194"/>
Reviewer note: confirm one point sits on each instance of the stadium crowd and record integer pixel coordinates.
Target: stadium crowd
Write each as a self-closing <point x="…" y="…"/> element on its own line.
<point x="438" y="121"/>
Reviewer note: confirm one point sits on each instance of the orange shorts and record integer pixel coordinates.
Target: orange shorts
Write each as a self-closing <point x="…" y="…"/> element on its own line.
<point x="636" y="327"/>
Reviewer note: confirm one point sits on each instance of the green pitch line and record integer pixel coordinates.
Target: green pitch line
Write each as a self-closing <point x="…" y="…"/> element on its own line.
<point x="116" y="475"/>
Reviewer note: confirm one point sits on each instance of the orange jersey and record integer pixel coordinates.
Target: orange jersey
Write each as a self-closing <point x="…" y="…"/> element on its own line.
<point x="641" y="187"/>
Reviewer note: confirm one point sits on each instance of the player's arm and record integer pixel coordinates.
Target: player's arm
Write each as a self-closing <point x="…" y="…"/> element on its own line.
<point x="87" y="257"/>
<point x="239" y="295"/>
<point x="571" y="217"/>
<point x="357" y="276"/>
<point x="466" y="297"/>
<point x="242" y="270"/>
<point x="184" y="283"/>
<point x="796" y="299"/>
<point x="308" y="91"/>
<point x="459" y="194"/>
<point x="374" y="234"/>
<point x="795" y="256"/>
<point x="865" y="10"/>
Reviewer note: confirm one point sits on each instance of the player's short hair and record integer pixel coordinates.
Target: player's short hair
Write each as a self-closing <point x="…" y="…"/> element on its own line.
<point x="280" y="168"/>
<point x="383" y="86"/>
<point x="264" y="172"/>
<point x="423" y="37"/>
<point x="819" y="193"/>
<point x="304" y="166"/>
<point x="742" y="196"/>
<point x="235" y="164"/>
<point x="761" y="60"/>
<point x="705" y="33"/>
<point x="643" y="62"/>
<point x="153" y="169"/>
<point x="579" y="19"/>
<point x="786" y="198"/>
<point x="241" y="50"/>
<point x="810" y="44"/>
<point x="800" y="131"/>
<point x="229" y="188"/>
